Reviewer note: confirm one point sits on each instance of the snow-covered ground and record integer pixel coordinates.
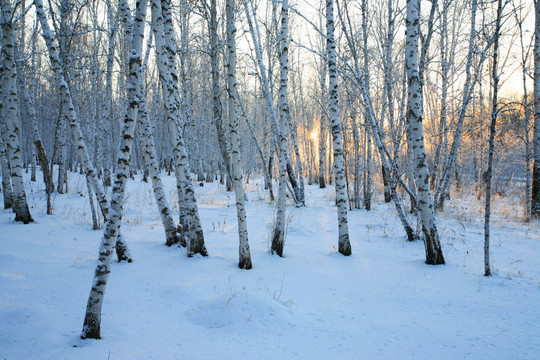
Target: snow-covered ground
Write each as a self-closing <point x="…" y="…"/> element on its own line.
<point x="382" y="302"/>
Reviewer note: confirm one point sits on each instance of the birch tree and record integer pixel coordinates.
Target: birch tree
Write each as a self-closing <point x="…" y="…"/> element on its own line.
<point x="492" y="129"/>
<point x="92" y="320"/>
<point x="217" y="111"/>
<point x="244" y="261"/>
<point x="322" y="133"/>
<point x="6" y="176"/>
<point x="278" y="236"/>
<point x="535" y="195"/>
<point x="10" y="114"/>
<point x="434" y="254"/>
<point x="150" y="160"/>
<point x="344" y="245"/>
<point x="166" y="52"/>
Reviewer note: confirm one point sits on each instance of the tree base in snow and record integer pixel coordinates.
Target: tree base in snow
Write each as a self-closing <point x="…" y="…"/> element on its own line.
<point x="277" y="242"/>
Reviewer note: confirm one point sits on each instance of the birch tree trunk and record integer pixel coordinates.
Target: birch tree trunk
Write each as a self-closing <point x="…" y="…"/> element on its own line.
<point x="492" y="131"/>
<point x="368" y="173"/>
<point x="10" y="114"/>
<point x="535" y="194"/>
<point x="92" y="321"/>
<point x="244" y="255"/>
<point x="434" y="254"/>
<point x="223" y="141"/>
<point x="166" y="52"/>
<point x="322" y="134"/>
<point x="278" y="236"/>
<point x="95" y="220"/>
<point x="56" y="64"/>
<point x="150" y="160"/>
<point x="7" y="188"/>
<point x="344" y="245"/>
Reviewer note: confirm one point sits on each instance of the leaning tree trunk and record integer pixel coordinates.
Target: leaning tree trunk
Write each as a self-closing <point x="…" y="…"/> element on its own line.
<point x="150" y="160"/>
<point x="166" y="52"/>
<point x="121" y="247"/>
<point x="10" y="114"/>
<point x="434" y="255"/>
<point x="535" y="194"/>
<point x="344" y="245"/>
<point x="244" y="255"/>
<point x="92" y="320"/>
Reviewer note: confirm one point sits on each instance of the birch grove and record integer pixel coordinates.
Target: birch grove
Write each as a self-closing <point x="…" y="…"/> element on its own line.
<point x="348" y="104"/>
<point x="432" y="244"/>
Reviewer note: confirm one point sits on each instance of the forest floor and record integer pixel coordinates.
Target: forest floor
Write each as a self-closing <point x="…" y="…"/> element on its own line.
<point x="383" y="302"/>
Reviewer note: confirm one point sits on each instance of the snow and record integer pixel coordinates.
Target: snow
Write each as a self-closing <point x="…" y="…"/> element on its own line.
<point x="382" y="302"/>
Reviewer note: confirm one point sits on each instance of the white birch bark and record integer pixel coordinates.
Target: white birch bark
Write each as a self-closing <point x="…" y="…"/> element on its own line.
<point x="433" y="249"/>
<point x="535" y="194"/>
<point x="11" y="116"/>
<point x="95" y="220"/>
<point x="6" y="175"/>
<point x="344" y="245"/>
<point x="322" y="133"/>
<point x="56" y="64"/>
<point x="387" y="89"/>
<point x="278" y="236"/>
<point x="92" y="321"/>
<point x="150" y="160"/>
<point x="166" y="51"/>
<point x="244" y="255"/>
